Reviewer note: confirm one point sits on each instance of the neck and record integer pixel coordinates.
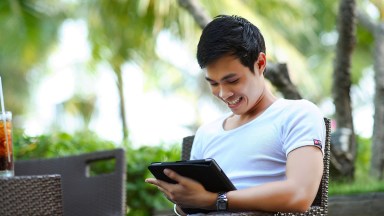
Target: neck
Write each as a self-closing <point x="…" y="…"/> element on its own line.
<point x="266" y="99"/>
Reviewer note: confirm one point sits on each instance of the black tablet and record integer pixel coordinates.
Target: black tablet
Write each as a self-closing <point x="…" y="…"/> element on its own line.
<point x="205" y="171"/>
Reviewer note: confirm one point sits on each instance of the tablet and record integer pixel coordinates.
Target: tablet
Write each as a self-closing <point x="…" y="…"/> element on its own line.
<point x="205" y="171"/>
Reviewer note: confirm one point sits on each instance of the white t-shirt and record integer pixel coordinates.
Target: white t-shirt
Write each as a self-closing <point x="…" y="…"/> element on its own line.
<point x="256" y="152"/>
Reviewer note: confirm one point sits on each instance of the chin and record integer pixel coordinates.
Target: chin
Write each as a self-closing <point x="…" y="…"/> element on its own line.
<point x="237" y="112"/>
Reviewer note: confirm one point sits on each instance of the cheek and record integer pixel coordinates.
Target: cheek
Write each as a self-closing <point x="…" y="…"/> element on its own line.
<point x="215" y="91"/>
<point x="252" y="92"/>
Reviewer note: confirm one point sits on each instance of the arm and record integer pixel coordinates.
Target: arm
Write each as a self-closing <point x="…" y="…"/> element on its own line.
<point x="295" y="194"/>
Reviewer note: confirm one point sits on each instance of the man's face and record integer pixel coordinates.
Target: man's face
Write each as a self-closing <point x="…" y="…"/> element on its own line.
<point x="235" y="84"/>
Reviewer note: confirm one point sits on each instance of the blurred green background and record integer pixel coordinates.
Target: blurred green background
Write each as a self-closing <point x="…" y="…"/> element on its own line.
<point x="86" y="75"/>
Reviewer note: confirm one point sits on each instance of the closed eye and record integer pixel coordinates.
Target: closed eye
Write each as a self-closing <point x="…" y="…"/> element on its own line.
<point x="213" y="83"/>
<point x="233" y="81"/>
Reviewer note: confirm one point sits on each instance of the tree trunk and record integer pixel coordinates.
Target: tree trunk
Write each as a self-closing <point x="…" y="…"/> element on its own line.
<point x="120" y="86"/>
<point x="279" y="77"/>
<point x="377" y="160"/>
<point x="344" y="144"/>
<point x="197" y="11"/>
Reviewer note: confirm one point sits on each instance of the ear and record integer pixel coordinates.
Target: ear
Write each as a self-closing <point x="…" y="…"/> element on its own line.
<point x="261" y="62"/>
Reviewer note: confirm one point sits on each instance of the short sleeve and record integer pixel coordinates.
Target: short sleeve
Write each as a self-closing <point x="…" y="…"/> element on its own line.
<point x="303" y="126"/>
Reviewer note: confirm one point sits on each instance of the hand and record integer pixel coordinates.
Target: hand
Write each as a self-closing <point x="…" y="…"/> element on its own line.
<point x="186" y="193"/>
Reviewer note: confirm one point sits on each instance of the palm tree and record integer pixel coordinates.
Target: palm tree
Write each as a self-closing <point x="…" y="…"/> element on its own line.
<point x="376" y="28"/>
<point x="29" y="30"/>
<point x="342" y="85"/>
<point x="124" y="31"/>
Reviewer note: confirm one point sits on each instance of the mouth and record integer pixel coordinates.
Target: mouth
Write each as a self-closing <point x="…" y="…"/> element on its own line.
<point x="234" y="102"/>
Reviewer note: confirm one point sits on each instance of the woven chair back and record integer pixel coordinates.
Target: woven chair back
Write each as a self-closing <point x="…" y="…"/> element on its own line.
<point x="31" y="195"/>
<point x="83" y="193"/>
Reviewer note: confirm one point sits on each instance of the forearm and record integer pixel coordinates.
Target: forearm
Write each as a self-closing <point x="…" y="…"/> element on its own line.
<point x="284" y="196"/>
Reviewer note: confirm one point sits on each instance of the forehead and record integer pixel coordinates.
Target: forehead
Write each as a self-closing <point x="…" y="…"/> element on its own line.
<point x="225" y="66"/>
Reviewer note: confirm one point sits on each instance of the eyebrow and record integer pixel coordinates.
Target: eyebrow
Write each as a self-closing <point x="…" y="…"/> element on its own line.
<point x="222" y="79"/>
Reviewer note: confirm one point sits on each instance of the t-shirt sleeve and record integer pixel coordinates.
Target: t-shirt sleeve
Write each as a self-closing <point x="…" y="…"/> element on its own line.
<point x="303" y="127"/>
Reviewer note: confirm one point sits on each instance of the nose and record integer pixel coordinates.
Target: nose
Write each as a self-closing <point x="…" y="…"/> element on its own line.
<point x="225" y="93"/>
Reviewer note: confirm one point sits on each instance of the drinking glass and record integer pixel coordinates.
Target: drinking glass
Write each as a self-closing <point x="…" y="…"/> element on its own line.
<point x="6" y="148"/>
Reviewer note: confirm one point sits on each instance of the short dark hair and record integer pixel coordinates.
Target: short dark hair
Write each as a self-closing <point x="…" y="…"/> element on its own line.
<point x="230" y="35"/>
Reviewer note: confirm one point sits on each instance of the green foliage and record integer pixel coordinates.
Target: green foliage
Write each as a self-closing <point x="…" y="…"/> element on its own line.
<point x="56" y="144"/>
<point x="363" y="159"/>
<point x="142" y="198"/>
<point x="29" y="30"/>
<point x="363" y="182"/>
<point x="359" y="185"/>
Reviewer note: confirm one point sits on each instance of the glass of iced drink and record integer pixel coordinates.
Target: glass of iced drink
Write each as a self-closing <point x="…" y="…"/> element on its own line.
<point x="6" y="150"/>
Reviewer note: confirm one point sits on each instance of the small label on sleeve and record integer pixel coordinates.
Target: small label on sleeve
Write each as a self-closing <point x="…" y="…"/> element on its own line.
<point x="317" y="143"/>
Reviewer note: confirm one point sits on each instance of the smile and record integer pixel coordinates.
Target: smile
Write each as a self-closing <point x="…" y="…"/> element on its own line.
<point x="234" y="102"/>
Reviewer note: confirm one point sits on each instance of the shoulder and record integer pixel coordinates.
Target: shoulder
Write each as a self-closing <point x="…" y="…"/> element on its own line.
<point x="302" y="125"/>
<point x="299" y="108"/>
<point x="298" y="104"/>
<point x="298" y="112"/>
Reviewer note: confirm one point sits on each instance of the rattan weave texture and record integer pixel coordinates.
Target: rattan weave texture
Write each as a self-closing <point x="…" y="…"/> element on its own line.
<point x="85" y="195"/>
<point x="31" y="195"/>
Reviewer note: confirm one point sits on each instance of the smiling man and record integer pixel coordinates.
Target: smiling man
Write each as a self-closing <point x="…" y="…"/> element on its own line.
<point x="271" y="148"/>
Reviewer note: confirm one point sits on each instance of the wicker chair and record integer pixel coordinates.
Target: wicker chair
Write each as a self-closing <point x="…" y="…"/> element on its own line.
<point x="319" y="206"/>
<point x="83" y="193"/>
<point x="31" y="195"/>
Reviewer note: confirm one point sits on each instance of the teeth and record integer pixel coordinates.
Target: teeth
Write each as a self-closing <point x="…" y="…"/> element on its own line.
<point x="234" y="101"/>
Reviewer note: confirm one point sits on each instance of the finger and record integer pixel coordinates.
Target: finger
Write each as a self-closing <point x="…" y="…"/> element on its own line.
<point x="149" y="180"/>
<point x="163" y="190"/>
<point x="181" y="180"/>
<point x="152" y="181"/>
<point x="174" y="176"/>
<point x="156" y="182"/>
<point x="161" y="185"/>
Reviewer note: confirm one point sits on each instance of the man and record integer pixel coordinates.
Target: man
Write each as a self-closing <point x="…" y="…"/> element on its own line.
<point x="270" y="148"/>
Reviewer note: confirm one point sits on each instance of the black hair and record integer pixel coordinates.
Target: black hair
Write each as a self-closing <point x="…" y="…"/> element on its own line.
<point x="230" y="35"/>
